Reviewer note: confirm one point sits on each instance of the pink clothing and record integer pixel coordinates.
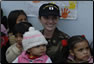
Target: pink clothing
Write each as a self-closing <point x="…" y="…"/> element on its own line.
<point x="30" y="37"/>
<point x="90" y="60"/>
<point x="3" y="29"/>
<point x="23" y="58"/>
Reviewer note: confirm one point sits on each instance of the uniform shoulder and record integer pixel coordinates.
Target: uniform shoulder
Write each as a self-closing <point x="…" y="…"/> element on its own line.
<point x="63" y="35"/>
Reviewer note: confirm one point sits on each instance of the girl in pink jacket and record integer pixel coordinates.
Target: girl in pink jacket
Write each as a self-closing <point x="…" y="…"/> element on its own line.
<point x="34" y="45"/>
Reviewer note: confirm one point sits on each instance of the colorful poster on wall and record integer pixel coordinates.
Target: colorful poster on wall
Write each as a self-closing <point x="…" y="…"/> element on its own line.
<point x="68" y="9"/>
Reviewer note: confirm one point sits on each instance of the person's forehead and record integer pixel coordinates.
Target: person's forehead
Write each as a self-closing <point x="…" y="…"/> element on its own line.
<point x="18" y="34"/>
<point x="50" y="16"/>
<point x="81" y="44"/>
<point x="21" y="15"/>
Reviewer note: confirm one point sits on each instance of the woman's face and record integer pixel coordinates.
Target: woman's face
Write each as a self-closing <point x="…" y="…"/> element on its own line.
<point x="21" y="18"/>
<point x="49" y="22"/>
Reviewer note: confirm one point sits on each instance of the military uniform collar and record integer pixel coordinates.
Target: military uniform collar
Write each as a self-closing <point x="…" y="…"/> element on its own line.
<point x="54" y="38"/>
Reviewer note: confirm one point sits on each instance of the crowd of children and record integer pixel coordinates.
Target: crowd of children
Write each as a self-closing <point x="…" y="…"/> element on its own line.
<point x="22" y="43"/>
<point x="15" y="17"/>
<point x="15" y="50"/>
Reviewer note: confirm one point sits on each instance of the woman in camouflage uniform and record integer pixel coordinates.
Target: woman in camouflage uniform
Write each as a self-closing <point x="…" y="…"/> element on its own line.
<point x="49" y="16"/>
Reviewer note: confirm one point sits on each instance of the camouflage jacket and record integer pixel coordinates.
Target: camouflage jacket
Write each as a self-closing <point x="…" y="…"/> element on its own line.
<point x="55" y="50"/>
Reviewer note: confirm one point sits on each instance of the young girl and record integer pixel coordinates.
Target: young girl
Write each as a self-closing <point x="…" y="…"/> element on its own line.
<point x="4" y="19"/>
<point x="79" y="50"/>
<point x="15" y="17"/>
<point x="4" y="42"/>
<point x="34" y="45"/>
<point x="15" y="50"/>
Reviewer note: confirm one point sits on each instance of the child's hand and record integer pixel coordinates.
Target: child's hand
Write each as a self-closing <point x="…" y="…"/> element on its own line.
<point x="65" y="13"/>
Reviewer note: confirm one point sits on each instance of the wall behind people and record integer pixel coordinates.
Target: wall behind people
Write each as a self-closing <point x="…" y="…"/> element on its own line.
<point x="82" y="25"/>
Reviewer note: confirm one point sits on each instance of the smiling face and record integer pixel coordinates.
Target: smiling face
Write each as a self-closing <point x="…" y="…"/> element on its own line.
<point x="81" y="51"/>
<point x="38" y="50"/>
<point x="49" y="22"/>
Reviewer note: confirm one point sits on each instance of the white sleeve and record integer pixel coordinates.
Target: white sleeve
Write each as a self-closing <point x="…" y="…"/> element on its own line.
<point x="15" y="61"/>
<point x="49" y="61"/>
<point x="12" y="53"/>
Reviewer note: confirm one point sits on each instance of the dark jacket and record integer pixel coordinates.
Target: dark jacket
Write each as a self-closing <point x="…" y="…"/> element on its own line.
<point x="55" y="50"/>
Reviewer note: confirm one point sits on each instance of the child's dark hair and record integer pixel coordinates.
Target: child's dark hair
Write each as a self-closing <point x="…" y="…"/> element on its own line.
<point x="71" y="43"/>
<point x="21" y="28"/>
<point x="13" y="17"/>
<point x="76" y="39"/>
<point x="1" y="13"/>
<point x="4" y="19"/>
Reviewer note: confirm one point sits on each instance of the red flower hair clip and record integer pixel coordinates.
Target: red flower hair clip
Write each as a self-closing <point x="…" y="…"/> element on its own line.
<point x="83" y="35"/>
<point x="64" y="43"/>
<point x="4" y="40"/>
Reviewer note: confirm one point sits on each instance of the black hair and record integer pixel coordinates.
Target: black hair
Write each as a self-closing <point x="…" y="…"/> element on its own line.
<point x="71" y="43"/>
<point x="21" y="28"/>
<point x="4" y="19"/>
<point x="13" y="15"/>
<point x="1" y="13"/>
<point x="74" y="40"/>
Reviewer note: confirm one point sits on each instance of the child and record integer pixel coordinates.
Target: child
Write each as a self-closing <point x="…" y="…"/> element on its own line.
<point x="4" y="42"/>
<point x="15" y="17"/>
<point x="15" y="50"/>
<point x="34" y="45"/>
<point x="4" y="19"/>
<point x="3" y="22"/>
<point x="79" y="50"/>
<point x="4" y="30"/>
